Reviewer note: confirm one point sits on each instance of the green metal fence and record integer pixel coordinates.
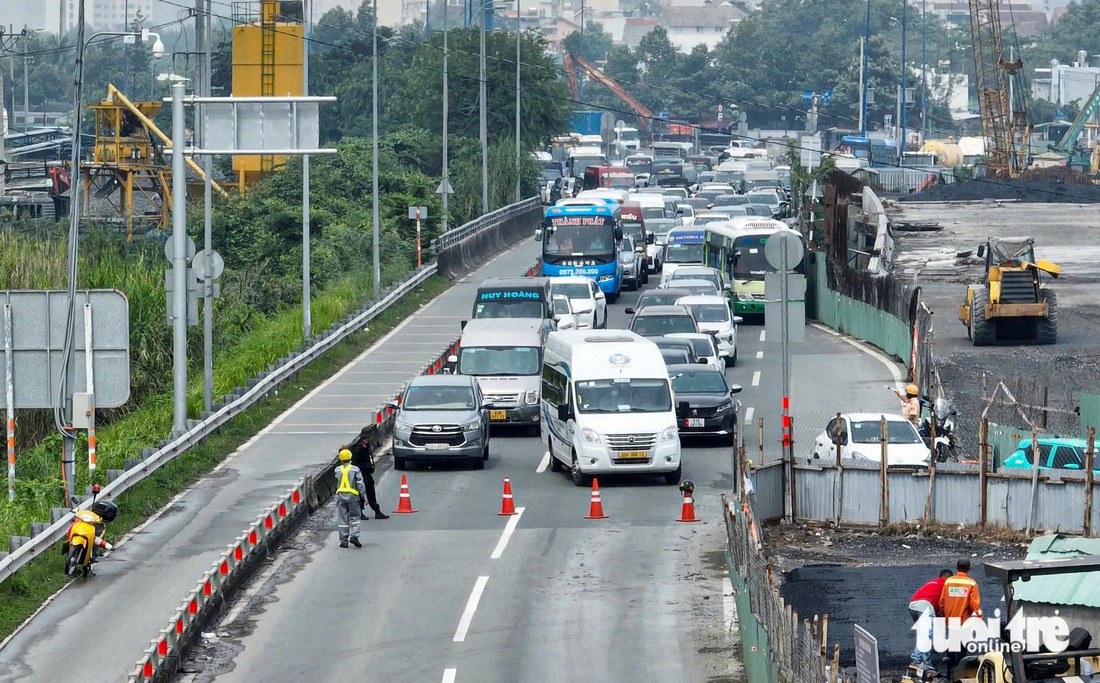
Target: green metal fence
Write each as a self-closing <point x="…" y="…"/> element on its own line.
<point x="858" y="319"/>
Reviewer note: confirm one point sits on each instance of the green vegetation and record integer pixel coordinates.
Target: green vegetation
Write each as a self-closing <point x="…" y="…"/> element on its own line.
<point x="21" y="595"/>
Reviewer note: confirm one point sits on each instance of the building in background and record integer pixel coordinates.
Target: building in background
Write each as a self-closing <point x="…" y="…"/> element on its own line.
<point x="706" y="24"/>
<point x="105" y="15"/>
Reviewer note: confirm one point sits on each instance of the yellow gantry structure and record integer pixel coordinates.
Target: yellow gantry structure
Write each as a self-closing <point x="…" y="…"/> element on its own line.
<point x="268" y="46"/>
<point x="127" y="160"/>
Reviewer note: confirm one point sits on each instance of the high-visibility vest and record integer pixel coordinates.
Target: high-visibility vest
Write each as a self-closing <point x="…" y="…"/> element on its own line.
<point x="345" y="485"/>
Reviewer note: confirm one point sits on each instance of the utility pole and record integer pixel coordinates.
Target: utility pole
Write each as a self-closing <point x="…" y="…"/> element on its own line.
<point x="863" y="88"/>
<point x="307" y="316"/>
<point x="519" y="149"/>
<point x="3" y="114"/>
<point x="904" y="120"/>
<point x="179" y="263"/>
<point x="483" y="94"/>
<point x="203" y="46"/>
<point x="374" y="154"/>
<point x="446" y="113"/>
<point x="923" y="66"/>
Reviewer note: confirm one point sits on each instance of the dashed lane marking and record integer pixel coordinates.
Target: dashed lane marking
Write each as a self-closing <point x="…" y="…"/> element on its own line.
<point x="449" y="675"/>
<point x="748" y="414"/>
<point x="762" y="335"/>
<point x="506" y="535"/>
<point x="471" y="608"/>
<point x="756" y="378"/>
<point x="544" y="463"/>
<point x="759" y="354"/>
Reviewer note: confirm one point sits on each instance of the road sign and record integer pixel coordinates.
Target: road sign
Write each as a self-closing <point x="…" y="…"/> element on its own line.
<point x="807" y="96"/>
<point x="440" y="189"/>
<point x="796" y="308"/>
<point x="810" y="151"/>
<point x="38" y="343"/>
<point x="192" y="295"/>
<point x="866" y="656"/>
<point x="826" y="96"/>
<point x="418" y="213"/>
<point x="780" y="242"/>
<point x="217" y="265"/>
<point x="170" y="249"/>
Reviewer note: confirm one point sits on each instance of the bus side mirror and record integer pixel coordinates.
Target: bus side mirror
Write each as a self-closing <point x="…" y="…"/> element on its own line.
<point x="462" y="325"/>
<point x="538" y="234"/>
<point x="563" y="412"/>
<point x="618" y="233"/>
<point x="650" y="238"/>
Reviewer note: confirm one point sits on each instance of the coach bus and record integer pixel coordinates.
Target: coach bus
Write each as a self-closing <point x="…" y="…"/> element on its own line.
<point x="584" y="240"/>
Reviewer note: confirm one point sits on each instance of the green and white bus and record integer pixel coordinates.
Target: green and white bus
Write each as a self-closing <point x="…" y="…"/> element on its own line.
<point x="736" y="247"/>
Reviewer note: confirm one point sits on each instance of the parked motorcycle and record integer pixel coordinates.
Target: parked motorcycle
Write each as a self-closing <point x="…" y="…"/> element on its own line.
<point x="85" y="537"/>
<point x="941" y="421"/>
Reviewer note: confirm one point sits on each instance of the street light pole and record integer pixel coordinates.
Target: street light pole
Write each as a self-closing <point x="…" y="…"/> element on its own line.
<point x="484" y="119"/>
<point x="208" y="239"/>
<point x="863" y="89"/>
<point x="307" y="312"/>
<point x="519" y="149"/>
<point x="374" y="156"/>
<point x="179" y="263"/>
<point x="446" y="114"/>
<point x="923" y="66"/>
<point x="904" y="82"/>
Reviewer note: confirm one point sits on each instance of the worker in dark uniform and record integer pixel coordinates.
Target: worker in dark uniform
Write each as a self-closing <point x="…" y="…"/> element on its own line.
<point x="362" y="456"/>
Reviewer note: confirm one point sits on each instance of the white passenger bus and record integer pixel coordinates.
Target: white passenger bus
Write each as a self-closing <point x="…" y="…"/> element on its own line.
<point x="607" y="406"/>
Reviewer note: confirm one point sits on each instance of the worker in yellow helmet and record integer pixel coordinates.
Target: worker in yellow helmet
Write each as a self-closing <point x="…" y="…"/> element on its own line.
<point x="911" y="402"/>
<point x="348" y="499"/>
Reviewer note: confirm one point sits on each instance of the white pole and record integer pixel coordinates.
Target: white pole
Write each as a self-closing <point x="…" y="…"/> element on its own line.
<point x="446" y="113"/>
<point x="519" y="149"/>
<point x="9" y="376"/>
<point x="374" y="156"/>
<point x="484" y="119"/>
<point x="786" y="381"/>
<point x="208" y="245"/>
<point x="179" y="264"/>
<point x="307" y="318"/>
<point x="419" y="261"/>
<point x="89" y="383"/>
<point x="862" y="57"/>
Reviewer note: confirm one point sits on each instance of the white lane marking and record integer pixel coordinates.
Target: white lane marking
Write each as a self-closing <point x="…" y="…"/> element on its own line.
<point x="308" y="433"/>
<point x="506" y="535"/>
<point x="761" y="335"/>
<point x="756" y="378"/>
<point x="759" y="354"/>
<point x="895" y="372"/>
<point x="471" y="607"/>
<point x="729" y="605"/>
<point x="544" y="463"/>
<point x="748" y="414"/>
<point x="449" y="675"/>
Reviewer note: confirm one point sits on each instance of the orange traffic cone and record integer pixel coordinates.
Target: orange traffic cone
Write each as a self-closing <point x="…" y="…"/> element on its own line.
<point x="508" y="505"/>
<point x="687" y="514"/>
<point x="595" y="509"/>
<point x="404" y="504"/>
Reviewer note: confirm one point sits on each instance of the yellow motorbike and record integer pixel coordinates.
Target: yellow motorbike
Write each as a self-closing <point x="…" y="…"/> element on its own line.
<point x="85" y="537"/>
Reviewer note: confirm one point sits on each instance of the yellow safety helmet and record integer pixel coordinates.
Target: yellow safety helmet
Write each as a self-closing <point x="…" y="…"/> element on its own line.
<point x="345" y="455"/>
<point x="912" y="390"/>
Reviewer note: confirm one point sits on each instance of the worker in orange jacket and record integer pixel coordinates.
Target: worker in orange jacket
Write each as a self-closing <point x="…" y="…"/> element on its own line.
<point x="960" y="597"/>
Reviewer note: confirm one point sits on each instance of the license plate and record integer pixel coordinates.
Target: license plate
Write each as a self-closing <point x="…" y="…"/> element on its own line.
<point x="696" y="422"/>
<point x="633" y="455"/>
<point x="498" y="414"/>
<point x="437" y="447"/>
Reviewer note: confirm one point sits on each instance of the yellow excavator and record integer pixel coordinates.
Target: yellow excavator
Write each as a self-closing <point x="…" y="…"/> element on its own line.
<point x="1013" y="304"/>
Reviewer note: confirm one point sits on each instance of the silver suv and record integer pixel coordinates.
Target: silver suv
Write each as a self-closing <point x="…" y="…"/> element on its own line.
<point x="442" y="417"/>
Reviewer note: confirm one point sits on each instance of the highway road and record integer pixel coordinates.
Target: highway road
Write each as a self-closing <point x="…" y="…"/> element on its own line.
<point x="456" y="593"/>
<point x="139" y="585"/>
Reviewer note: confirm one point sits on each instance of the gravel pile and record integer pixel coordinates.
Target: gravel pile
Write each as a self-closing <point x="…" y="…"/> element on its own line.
<point x="1058" y="185"/>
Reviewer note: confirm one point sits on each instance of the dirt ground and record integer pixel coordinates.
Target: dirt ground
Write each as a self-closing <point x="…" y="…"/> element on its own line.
<point x="867" y="578"/>
<point x="1065" y="234"/>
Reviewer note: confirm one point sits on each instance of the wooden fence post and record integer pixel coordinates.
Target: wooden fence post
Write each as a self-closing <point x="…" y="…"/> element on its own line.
<point x="884" y="501"/>
<point x="1034" y="478"/>
<point x="1090" y="463"/>
<point x="983" y="473"/>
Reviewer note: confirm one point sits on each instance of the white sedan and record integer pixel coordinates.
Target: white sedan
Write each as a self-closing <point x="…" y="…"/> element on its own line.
<point x="858" y="436"/>
<point x="588" y="301"/>
<point x="712" y="314"/>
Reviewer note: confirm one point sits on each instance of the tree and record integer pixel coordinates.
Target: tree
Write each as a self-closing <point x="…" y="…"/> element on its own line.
<point x="592" y="46"/>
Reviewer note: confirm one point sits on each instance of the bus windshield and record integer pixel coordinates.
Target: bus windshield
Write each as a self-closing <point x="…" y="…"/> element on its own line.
<point x="751" y="264"/>
<point x="623" y="395"/>
<point x="684" y="253"/>
<point x="588" y="242"/>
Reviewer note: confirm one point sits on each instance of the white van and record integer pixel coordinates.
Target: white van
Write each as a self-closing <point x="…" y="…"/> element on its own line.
<point x="607" y="406"/>
<point x="505" y="354"/>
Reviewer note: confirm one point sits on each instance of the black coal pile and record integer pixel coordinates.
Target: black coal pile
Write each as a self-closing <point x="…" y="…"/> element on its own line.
<point x="1058" y="185"/>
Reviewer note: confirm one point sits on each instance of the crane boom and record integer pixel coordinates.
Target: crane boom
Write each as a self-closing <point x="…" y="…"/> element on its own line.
<point x="1069" y="140"/>
<point x="1003" y="156"/>
<point x="573" y="62"/>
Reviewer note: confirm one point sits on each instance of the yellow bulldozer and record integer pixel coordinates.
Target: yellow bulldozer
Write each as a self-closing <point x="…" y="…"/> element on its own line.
<point x="1013" y="304"/>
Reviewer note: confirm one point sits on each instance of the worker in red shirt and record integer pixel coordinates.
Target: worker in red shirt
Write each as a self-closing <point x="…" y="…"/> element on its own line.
<point x="926" y="601"/>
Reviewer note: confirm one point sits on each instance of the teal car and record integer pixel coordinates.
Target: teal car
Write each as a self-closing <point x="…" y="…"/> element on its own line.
<point x="1054" y="454"/>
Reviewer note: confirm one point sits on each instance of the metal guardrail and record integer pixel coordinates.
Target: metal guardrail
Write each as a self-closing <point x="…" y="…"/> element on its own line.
<point x="24" y="549"/>
<point x="33" y="547"/>
<point x="453" y="237"/>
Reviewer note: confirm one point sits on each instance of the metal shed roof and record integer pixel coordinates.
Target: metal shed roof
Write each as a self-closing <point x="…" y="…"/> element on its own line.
<point x="1070" y="589"/>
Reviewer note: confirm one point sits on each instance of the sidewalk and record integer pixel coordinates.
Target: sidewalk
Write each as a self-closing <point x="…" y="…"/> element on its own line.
<point x="138" y="586"/>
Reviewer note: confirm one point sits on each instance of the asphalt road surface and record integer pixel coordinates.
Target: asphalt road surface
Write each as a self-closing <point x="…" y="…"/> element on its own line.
<point x="139" y="585"/>
<point x="457" y="593"/>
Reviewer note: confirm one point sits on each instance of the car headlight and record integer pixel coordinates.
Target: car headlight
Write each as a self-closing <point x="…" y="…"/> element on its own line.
<point x="583" y="311"/>
<point x="471" y="426"/>
<point x="670" y="434"/>
<point x="742" y="296"/>
<point x="606" y="278"/>
<point x="856" y="455"/>
<point x="590" y="436"/>
<point x="531" y="397"/>
<point x="725" y="406"/>
<point x="402" y="426"/>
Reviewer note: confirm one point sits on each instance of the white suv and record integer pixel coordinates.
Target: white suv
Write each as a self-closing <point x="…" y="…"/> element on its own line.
<point x="712" y="314"/>
<point x="588" y="301"/>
